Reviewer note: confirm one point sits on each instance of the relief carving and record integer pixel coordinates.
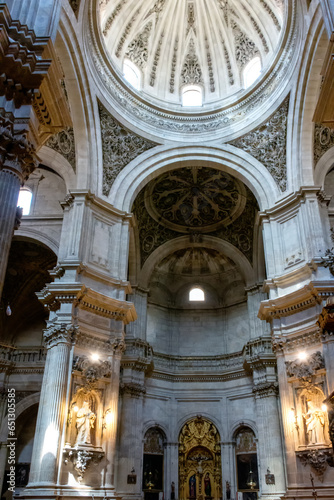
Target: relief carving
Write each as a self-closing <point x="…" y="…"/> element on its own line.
<point x="323" y="140"/>
<point x="63" y="143"/>
<point x="304" y="370"/>
<point x="245" y="48"/>
<point x="268" y="144"/>
<point x="191" y="72"/>
<point x="91" y="371"/>
<point x="119" y="147"/>
<point x="138" y="50"/>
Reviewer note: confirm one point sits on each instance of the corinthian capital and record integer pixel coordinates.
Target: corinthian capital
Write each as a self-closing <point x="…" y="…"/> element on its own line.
<point x="59" y="334"/>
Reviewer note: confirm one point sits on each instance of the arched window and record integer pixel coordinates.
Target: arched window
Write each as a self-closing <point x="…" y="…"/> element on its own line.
<point x="192" y="96"/>
<point x="196" y="294"/>
<point x="132" y="74"/>
<point x="252" y="71"/>
<point x="24" y="201"/>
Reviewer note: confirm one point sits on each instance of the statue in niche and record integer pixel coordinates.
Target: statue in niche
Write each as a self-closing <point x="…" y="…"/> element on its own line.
<point x="315" y="422"/>
<point x="192" y="486"/>
<point x="84" y="423"/>
<point x="207" y="485"/>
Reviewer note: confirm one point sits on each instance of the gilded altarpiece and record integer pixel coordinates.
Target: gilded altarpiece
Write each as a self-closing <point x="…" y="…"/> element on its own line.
<point x="199" y="461"/>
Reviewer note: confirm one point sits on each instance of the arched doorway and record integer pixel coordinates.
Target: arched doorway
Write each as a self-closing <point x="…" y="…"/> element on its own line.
<point x="199" y="461"/>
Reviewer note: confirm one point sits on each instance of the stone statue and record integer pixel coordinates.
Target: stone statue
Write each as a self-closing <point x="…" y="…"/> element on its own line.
<point x="84" y="423"/>
<point x="315" y="421"/>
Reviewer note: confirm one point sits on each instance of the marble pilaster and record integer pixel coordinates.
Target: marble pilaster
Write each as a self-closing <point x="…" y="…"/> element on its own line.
<point x="51" y="414"/>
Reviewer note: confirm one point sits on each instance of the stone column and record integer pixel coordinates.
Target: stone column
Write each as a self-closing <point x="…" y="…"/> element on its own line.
<point x="131" y="442"/>
<point x="171" y="467"/>
<point x="111" y="408"/>
<point x="52" y="407"/>
<point x="228" y="469"/>
<point x="270" y="452"/>
<point x="22" y="70"/>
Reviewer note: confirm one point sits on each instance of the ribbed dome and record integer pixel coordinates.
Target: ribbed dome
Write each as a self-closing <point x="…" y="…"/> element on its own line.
<point x="207" y="43"/>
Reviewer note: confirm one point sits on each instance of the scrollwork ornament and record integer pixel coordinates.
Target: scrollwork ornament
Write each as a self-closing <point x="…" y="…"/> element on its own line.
<point x="265" y="390"/>
<point x="317" y="459"/>
<point x="92" y="371"/>
<point x="304" y="370"/>
<point x="62" y="333"/>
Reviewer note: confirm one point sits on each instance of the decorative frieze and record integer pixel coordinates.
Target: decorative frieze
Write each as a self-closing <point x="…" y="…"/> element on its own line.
<point x="119" y="147"/>
<point x="268" y="144"/>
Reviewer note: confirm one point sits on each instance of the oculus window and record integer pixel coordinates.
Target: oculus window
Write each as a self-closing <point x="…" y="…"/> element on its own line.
<point x="24" y="201"/>
<point x="196" y="294"/>
<point x="192" y="96"/>
<point x="132" y="74"/>
<point x="252" y="72"/>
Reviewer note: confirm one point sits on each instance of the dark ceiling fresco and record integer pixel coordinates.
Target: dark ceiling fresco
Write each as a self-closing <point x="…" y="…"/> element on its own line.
<point x="196" y="201"/>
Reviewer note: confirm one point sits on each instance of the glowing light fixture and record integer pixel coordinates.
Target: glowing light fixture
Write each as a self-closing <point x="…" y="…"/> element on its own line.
<point x="95" y="356"/>
<point x="302" y="355"/>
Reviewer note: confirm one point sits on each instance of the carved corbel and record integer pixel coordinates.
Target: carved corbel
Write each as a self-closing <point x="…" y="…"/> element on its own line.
<point x="82" y="459"/>
<point x="305" y="370"/>
<point x="317" y="459"/>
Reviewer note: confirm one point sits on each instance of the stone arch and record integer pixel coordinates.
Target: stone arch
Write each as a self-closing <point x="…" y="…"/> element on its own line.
<point x="163" y="158"/>
<point x="36" y="236"/>
<point x="323" y="166"/>
<point x="20" y="407"/>
<point x="207" y="241"/>
<point x="59" y="164"/>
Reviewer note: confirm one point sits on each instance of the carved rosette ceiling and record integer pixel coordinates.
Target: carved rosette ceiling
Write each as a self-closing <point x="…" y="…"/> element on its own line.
<point x="119" y="147"/>
<point x="268" y="144"/>
<point x="195" y="201"/>
<point x="191" y="39"/>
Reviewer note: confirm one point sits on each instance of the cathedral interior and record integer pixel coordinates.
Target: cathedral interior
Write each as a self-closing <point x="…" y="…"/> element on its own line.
<point x="167" y="249"/>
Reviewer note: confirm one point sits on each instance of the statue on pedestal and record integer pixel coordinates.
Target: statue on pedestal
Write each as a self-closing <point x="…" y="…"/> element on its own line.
<point x="315" y="422"/>
<point x="84" y="423"/>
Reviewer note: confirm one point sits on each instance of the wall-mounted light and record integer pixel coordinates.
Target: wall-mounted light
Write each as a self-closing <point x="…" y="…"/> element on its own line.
<point x="95" y="356"/>
<point x="293" y="418"/>
<point x="108" y="417"/>
<point x="302" y="355"/>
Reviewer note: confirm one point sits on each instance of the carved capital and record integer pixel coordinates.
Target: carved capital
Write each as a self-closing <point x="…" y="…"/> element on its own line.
<point x="59" y="334"/>
<point x="133" y="389"/>
<point x="265" y="390"/>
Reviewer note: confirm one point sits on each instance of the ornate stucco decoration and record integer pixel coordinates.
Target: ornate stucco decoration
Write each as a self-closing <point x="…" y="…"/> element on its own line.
<point x="119" y="147"/>
<point x="317" y="459"/>
<point x="305" y="370"/>
<point x="191" y="72"/>
<point x="323" y="140"/>
<point x="195" y="201"/>
<point x="157" y="115"/>
<point x="63" y="143"/>
<point x="268" y="144"/>
<point x="82" y="459"/>
<point x="92" y="372"/>
<point x="138" y="49"/>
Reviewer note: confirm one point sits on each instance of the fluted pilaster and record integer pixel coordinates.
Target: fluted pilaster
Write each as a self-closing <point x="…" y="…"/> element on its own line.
<point x="112" y="409"/>
<point x="52" y="406"/>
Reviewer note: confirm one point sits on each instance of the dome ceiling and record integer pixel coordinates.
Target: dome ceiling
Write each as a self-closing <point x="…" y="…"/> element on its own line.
<point x="195" y="201"/>
<point x="202" y="42"/>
